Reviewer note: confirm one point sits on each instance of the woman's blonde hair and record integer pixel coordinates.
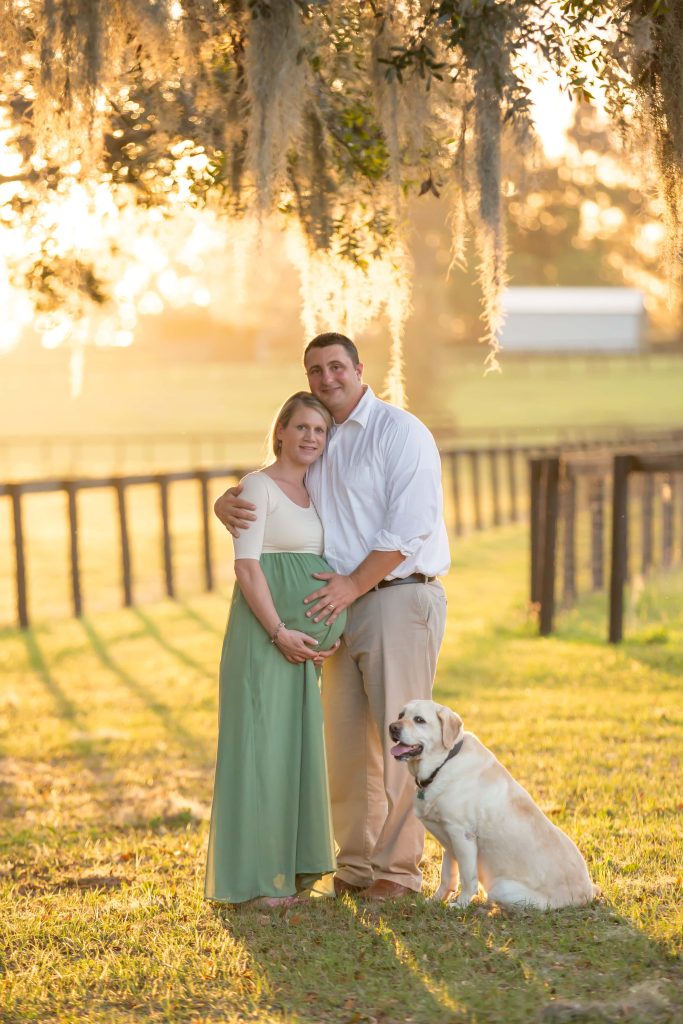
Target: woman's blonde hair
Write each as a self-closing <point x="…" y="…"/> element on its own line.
<point x="287" y="411"/>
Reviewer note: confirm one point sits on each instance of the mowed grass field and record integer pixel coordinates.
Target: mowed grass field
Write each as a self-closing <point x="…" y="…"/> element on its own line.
<point x="127" y="401"/>
<point x="107" y="736"/>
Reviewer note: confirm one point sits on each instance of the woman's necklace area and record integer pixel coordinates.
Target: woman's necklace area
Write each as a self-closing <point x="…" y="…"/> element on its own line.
<point x="291" y="488"/>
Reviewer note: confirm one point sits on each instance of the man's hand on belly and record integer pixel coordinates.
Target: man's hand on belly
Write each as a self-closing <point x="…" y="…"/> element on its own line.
<point x="341" y="591"/>
<point x="337" y="594"/>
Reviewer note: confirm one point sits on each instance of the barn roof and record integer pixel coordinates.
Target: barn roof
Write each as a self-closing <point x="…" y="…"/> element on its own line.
<point x="573" y="300"/>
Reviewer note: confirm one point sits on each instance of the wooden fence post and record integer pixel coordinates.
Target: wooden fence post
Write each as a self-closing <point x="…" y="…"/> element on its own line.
<point x="495" y="489"/>
<point x="476" y="490"/>
<point x="166" y="534"/>
<point x="536" y="531"/>
<point x="206" y="531"/>
<point x="512" y="485"/>
<point x="552" y="476"/>
<point x="126" y="573"/>
<point x="77" y="598"/>
<point x="619" y="560"/>
<point x="597" y="508"/>
<point x="19" y="556"/>
<point x="667" y="498"/>
<point x="647" y="521"/>
<point x="455" y="490"/>
<point x="569" y="539"/>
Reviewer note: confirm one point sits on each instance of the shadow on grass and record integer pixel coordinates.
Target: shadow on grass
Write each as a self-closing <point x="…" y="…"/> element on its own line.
<point x="152" y="630"/>
<point x="201" y="620"/>
<point x="64" y="705"/>
<point x="80" y="749"/>
<point x="192" y="744"/>
<point x="415" y="961"/>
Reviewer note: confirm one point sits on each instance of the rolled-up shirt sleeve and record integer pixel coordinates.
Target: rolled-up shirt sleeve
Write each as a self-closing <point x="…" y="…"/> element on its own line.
<point x="413" y="489"/>
<point x="249" y="544"/>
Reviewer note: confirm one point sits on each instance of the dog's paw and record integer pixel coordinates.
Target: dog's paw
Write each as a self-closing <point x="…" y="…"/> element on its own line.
<point x="460" y="902"/>
<point x="441" y="896"/>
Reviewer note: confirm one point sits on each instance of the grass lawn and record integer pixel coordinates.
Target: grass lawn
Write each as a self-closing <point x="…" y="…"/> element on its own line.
<point x="107" y="731"/>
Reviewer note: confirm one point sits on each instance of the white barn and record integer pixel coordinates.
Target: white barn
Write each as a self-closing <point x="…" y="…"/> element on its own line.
<point x="573" y="320"/>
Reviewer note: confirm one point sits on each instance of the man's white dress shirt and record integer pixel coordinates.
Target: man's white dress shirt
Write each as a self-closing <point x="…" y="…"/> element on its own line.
<point x="378" y="488"/>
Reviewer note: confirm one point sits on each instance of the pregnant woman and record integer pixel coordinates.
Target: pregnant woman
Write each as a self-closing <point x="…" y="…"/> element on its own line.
<point x="271" y="830"/>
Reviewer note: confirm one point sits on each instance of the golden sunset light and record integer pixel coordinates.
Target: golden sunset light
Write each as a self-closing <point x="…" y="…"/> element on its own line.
<point x="341" y="511"/>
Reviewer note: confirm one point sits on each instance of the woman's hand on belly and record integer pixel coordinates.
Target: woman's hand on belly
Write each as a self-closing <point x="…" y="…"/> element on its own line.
<point x="296" y="646"/>
<point x="321" y="655"/>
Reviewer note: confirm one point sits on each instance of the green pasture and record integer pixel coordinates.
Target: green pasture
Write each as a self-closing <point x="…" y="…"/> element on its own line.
<point x="129" y="401"/>
<point x="107" y="732"/>
<point x="562" y="392"/>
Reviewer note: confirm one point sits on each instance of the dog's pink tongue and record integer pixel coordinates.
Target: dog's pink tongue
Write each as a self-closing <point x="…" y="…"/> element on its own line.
<point x="399" y="749"/>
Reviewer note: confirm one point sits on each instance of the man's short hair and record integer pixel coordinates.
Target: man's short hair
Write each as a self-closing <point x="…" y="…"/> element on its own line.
<point x="332" y="338"/>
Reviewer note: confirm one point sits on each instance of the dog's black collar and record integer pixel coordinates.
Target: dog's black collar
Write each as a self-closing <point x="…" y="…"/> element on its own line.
<point x="423" y="783"/>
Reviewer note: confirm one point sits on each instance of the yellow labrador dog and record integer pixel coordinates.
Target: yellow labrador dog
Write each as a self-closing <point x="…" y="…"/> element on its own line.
<point x="490" y="828"/>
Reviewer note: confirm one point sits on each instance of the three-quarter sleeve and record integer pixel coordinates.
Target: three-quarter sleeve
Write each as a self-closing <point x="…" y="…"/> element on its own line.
<point x="249" y="544"/>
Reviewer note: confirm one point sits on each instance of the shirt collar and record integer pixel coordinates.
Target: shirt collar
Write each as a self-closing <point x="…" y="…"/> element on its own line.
<point x="361" y="412"/>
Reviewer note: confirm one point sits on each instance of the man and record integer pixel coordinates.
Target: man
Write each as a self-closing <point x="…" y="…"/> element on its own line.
<point x="377" y="490"/>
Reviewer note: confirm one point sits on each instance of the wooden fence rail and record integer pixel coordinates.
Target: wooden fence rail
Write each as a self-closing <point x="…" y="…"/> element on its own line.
<point x="121" y="486"/>
<point x="481" y="496"/>
<point x="117" y="454"/>
<point x="624" y="466"/>
<point x="486" y="490"/>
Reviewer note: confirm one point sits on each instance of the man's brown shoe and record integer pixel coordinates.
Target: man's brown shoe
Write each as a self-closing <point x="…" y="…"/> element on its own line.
<point x="383" y="889"/>
<point x="342" y="886"/>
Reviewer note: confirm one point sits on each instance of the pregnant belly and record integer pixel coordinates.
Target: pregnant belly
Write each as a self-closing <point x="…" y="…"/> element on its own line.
<point x="290" y="579"/>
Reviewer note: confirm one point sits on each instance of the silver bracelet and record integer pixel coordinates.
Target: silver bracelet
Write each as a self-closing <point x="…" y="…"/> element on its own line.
<point x="279" y="626"/>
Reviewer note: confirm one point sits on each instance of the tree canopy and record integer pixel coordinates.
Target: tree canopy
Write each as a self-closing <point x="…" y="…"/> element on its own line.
<point x="330" y="113"/>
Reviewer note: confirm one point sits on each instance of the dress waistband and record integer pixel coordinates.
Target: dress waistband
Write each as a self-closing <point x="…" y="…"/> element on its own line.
<point x="415" y="577"/>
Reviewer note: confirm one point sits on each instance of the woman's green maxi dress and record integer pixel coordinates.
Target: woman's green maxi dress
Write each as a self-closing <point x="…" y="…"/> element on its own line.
<point x="271" y="828"/>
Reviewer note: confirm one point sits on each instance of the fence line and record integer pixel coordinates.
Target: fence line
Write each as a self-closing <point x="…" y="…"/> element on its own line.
<point x="485" y="491"/>
<point x="555" y="481"/>
<point x="120" y="485"/>
<point x="478" y="500"/>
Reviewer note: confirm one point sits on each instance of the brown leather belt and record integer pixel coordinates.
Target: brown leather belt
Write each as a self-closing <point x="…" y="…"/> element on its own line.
<point x="415" y="577"/>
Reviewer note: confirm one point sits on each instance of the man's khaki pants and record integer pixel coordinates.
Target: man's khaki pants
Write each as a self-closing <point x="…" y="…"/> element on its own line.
<point x="387" y="657"/>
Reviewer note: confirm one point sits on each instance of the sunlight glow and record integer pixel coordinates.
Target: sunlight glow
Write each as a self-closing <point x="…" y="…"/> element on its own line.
<point x="334" y="290"/>
<point x="152" y="261"/>
<point x="553" y="113"/>
<point x="553" y="107"/>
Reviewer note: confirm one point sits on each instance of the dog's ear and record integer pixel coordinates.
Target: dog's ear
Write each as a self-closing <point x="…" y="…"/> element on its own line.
<point x="451" y="724"/>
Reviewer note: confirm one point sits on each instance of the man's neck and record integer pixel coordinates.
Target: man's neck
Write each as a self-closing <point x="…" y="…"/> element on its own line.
<point x="344" y="418"/>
